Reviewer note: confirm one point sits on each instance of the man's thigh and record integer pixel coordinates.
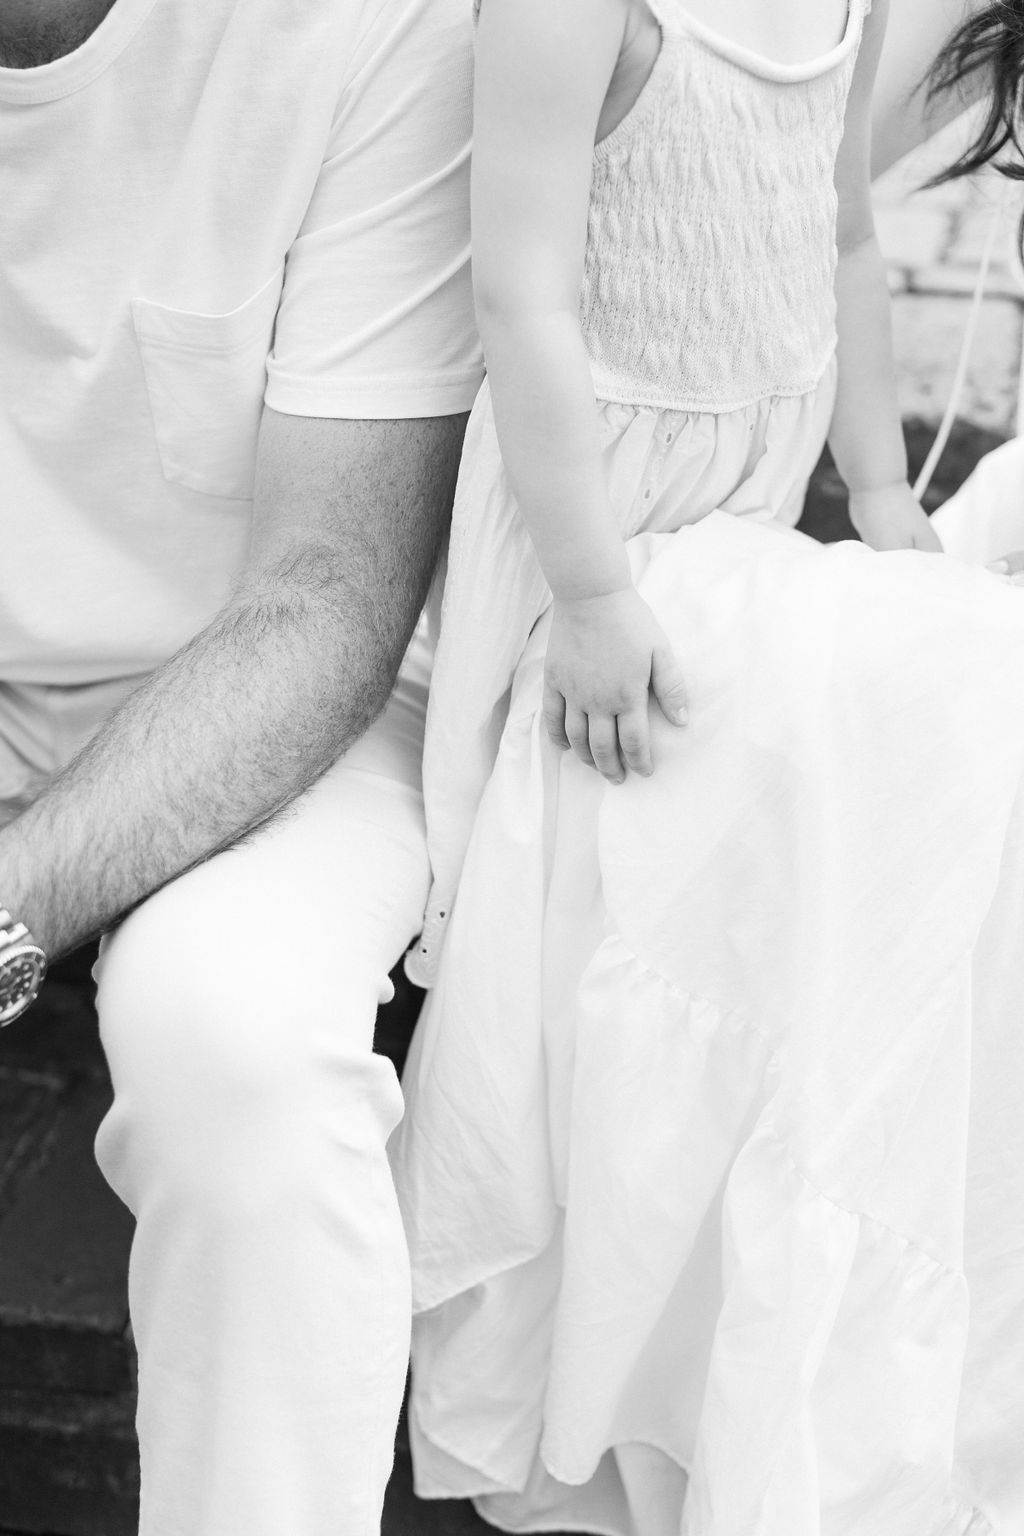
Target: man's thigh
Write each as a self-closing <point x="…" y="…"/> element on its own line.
<point x="290" y="933"/>
<point x="269" y="1279"/>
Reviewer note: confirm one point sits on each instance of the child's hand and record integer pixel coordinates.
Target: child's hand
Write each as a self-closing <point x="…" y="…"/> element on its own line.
<point x="1010" y="568"/>
<point x="604" y="655"/>
<point x="892" y="518"/>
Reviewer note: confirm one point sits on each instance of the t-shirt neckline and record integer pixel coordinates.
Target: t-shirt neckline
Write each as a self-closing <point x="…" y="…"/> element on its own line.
<point x="64" y="76"/>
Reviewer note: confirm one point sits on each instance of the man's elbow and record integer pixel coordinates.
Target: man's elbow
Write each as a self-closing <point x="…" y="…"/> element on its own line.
<point x="323" y="614"/>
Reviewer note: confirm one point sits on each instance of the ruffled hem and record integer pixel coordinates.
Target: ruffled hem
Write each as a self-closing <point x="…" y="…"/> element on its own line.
<point x="957" y="1517"/>
<point x="805" y="1277"/>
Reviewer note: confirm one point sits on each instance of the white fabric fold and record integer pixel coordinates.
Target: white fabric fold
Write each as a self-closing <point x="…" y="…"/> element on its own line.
<point x="712" y="1145"/>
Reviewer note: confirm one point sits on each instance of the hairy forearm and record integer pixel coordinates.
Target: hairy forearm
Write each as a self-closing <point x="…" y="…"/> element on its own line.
<point x="866" y="437"/>
<point x="230" y="730"/>
<point x="547" y="426"/>
<point x="251" y="712"/>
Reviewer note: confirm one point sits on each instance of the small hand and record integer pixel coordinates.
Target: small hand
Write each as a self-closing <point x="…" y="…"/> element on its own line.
<point x="1011" y="566"/>
<point x="605" y="654"/>
<point x="892" y="518"/>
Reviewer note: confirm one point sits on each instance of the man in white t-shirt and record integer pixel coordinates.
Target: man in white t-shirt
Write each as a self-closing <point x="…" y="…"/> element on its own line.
<point x="236" y="349"/>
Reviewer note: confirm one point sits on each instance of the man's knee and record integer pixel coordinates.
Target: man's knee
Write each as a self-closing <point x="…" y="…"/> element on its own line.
<point x="231" y="1062"/>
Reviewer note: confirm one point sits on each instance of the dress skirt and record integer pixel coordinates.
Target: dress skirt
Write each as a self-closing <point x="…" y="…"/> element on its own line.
<point x="713" y="1159"/>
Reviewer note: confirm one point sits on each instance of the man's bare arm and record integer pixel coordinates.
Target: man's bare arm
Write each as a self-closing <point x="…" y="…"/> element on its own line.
<point x="348" y="519"/>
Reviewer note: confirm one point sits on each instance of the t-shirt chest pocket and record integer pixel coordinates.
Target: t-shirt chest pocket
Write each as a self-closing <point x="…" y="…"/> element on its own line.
<point x="205" y="377"/>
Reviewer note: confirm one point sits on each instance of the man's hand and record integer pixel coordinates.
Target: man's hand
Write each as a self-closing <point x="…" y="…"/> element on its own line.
<point x="605" y="655"/>
<point x="347" y="522"/>
<point x="893" y="518"/>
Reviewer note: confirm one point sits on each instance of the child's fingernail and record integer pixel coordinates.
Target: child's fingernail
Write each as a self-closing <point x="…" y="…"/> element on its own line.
<point x="681" y="717"/>
<point x="1000" y="567"/>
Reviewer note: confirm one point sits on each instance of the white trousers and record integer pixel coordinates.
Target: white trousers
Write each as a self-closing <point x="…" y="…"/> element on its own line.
<point x="269" y="1279"/>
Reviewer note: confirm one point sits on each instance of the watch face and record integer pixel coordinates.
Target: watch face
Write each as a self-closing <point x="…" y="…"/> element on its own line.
<point x="21" y="975"/>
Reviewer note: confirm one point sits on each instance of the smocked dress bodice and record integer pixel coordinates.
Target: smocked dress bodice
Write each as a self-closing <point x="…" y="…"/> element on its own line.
<point x="711" y="251"/>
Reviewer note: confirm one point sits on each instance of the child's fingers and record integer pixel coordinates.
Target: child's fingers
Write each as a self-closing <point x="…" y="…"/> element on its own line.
<point x="1010" y="565"/>
<point x="604" y="748"/>
<point x="668" y="684"/>
<point x="553" y="713"/>
<point x="577" y="731"/>
<point x="635" y="740"/>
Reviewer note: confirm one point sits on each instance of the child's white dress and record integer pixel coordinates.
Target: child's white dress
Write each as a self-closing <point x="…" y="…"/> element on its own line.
<point x="713" y="1164"/>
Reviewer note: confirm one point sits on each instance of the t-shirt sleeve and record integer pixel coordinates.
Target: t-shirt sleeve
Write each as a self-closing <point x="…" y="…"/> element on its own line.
<point x="376" y="314"/>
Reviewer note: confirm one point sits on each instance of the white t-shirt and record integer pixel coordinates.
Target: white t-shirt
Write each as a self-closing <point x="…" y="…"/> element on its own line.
<point x="210" y="204"/>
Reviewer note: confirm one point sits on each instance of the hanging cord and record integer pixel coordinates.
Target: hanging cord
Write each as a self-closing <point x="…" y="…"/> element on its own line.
<point x="938" y="447"/>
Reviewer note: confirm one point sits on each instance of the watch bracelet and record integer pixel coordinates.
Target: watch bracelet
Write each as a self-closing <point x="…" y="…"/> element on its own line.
<point x="12" y="931"/>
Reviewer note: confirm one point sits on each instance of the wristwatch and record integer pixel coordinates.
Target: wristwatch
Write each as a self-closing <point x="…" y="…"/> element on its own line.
<point x="22" y="968"/>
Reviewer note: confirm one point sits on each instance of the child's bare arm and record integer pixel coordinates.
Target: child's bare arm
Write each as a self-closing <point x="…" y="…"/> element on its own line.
<point x="866" y="436"/>
<point x="542" y="72"/>
<point x="542" y="75"/>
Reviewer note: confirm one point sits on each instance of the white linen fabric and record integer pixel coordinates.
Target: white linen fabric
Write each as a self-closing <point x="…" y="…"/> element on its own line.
<point x="985" y="519"/>
<point x="205" y="207"/>
<point x="713" y="1170"/>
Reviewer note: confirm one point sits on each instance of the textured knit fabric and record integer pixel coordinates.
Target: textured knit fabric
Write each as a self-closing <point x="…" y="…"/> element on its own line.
<point x="710" y="262"/>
